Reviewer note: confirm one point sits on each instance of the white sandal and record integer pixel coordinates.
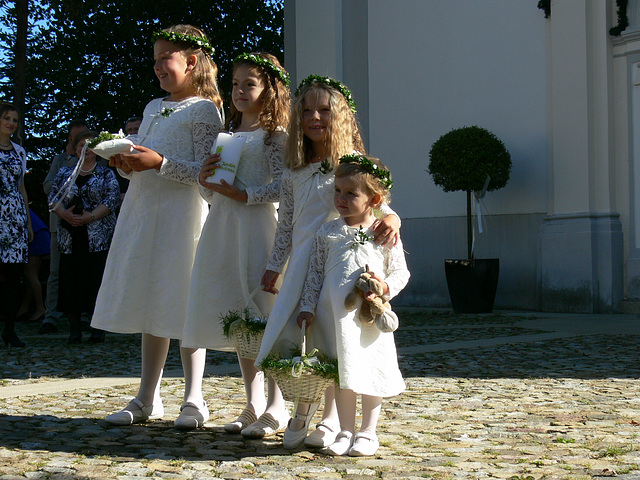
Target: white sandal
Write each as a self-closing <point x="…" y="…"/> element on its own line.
<point x="323" y="436"/>
<point x="135" y="412"/>
<point x="246" y="418"/>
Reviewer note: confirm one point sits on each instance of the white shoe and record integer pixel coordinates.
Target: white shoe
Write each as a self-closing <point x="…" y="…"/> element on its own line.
<point x="323" y="436"/>
<point x="136" y="412"/>
<point x="342" y="445"/>
<point x="364" y="445"/>
<point x="294" y="438"/>
<point x="189" y="422"/>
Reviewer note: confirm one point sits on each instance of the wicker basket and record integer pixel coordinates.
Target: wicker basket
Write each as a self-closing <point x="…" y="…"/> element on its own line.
<point x="247" y="343"/>
<point x="309" y="387"/>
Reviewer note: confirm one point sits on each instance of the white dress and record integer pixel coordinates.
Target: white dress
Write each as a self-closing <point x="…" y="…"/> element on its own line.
<point x="306" y="203"/>
<point x="235" y="244"/>
<point x="146" y="279"/>
<point x="367" y="359"/>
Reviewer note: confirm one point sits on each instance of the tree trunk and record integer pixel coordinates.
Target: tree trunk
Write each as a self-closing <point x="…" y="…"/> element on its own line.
<point x="20" y="55"/>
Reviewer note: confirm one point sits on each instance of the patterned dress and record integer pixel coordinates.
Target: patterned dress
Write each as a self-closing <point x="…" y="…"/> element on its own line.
<point x="14" y="246"/>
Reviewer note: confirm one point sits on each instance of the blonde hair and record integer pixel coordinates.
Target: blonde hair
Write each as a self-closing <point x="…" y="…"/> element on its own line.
<point x="276" y="98"/>
<point x="368" y="182"/>
<point x="205" y="73"/>
<point x="343" y="134"/>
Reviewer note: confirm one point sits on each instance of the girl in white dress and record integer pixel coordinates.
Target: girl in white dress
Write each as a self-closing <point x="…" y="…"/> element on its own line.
<point x="236" y="239"/>
<point x="342" y="250"/>
<point x="146" y="280"/>
<point x="322" y="129"/>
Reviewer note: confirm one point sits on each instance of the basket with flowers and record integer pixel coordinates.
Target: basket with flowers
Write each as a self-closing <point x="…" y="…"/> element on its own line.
<point x="244" y="329"/>
<point x="304" y="377"/>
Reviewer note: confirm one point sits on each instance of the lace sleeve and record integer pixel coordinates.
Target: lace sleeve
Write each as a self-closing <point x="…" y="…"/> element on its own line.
<point x="282" y="242"/>
<point x="206" y="127"/>
<point x="315" y="274"/>
<point x="397" y="273"/>
<point x="271" y="191"/>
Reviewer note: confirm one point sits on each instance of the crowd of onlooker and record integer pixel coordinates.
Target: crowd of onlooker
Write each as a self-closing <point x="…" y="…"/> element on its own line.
<point x="67" y="250"/>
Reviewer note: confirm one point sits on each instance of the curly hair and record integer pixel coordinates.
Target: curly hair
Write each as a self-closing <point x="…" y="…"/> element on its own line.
<point x="368" y="182"/>
<point x="205" y="72"/>
<point x="10" y="107"/>
<point x="276" y="98"/>
<point x="343" y="132"/>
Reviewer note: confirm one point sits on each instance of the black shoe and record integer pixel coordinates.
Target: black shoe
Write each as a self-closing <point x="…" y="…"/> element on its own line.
<point x="75" y="338"/>
<point x="97" y="336"/>
<point x="12" y="340"/>
<point x="48" y="327"/>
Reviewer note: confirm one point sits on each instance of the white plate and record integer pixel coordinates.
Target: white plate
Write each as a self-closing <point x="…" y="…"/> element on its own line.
<point x="109" y="148"/>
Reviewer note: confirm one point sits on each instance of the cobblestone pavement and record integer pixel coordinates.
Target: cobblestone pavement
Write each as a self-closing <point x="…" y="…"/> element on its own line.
<point x="515" y="395"/>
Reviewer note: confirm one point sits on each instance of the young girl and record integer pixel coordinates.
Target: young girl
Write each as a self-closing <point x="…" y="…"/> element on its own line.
<point x="322" y="129"/>
<point x="146" y="280"/>
<point x="342" y="250"/>
<point x="236" y="239"/>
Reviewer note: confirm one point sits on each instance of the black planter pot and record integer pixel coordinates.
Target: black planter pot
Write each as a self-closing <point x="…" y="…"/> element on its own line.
<point x="472" y="284"/>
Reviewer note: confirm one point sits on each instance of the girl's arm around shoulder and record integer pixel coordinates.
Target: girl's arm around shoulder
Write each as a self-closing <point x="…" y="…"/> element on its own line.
<point x="387" y="229"/>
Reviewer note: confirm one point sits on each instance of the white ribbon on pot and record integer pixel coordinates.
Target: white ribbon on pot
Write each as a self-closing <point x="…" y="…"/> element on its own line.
<point x="478" y="205"/>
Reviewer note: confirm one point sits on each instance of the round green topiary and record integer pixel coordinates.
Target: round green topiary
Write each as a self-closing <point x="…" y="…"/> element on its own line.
<point x="462" y="159"/>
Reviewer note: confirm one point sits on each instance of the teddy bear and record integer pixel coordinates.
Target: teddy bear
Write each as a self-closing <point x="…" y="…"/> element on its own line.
<point x="376" y="311"/>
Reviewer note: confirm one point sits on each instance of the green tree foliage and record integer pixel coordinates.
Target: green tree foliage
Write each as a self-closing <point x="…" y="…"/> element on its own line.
<point x="93" y="59"/>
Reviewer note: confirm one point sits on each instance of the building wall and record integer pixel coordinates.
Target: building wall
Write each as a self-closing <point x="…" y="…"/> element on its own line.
<point x="549" y="89"/>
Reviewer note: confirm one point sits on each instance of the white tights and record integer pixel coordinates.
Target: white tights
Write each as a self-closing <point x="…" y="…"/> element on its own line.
<point x="254" y="388"/>
<point x="371" y="408"/>
<point x="154" y="356"/>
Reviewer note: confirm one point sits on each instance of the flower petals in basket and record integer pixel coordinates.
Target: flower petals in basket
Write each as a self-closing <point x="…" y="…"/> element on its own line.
<point x="245" y="331"/>
<point x="302" y="378"/>
<point x="107" y="144"/>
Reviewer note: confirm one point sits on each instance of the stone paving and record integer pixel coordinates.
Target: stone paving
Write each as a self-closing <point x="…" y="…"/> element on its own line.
<point x="516" y="396"/>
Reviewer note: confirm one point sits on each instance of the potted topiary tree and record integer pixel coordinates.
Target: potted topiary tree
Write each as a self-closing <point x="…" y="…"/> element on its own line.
<point x="474" y="160"/>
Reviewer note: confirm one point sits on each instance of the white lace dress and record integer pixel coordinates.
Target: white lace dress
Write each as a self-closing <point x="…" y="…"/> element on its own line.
<point x="235" y="244"/>
<point x="146" y="280"/>
<point x="367" y="358"/>
<point x="306" y="203"/>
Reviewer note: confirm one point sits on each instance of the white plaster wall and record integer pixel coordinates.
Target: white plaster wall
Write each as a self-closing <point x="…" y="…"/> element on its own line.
<point x="436" y="65"/>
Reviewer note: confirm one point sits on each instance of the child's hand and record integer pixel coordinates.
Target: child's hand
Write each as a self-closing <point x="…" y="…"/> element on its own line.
<point x="386" y="232"/>
<point x="208" y="169"/>
<point x="305" y="316"/>
<point x="118" y="162"/>
<point x="269" y="281"/>
<point x="230" y="191"/>
<point x="371" y="296"/>
<point x="146" y="159"/>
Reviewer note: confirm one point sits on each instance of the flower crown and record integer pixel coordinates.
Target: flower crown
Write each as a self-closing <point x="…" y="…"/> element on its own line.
<point x="265" y="63"/>
<point x="331" y="83"/>
<point x="383" y="175"/>
<point x="201" y="42"/>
